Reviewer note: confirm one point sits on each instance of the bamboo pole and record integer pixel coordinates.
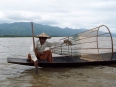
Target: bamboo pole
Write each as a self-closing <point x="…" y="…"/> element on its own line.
<point x="36" y="67"/>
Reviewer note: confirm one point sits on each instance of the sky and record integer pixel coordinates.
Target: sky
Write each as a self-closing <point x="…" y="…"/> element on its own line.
<point x="74" y="14"/>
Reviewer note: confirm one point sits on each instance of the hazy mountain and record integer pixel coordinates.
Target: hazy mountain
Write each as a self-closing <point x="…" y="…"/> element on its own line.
<point x="24" y="29"/>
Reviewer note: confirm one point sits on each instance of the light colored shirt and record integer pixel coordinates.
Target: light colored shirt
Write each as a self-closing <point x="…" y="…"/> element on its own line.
<point x="41" y="48"/>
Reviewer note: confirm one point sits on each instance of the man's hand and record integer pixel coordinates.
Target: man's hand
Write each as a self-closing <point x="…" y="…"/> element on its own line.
<point x="36" y="63"/>
<point x="36" y="66"/>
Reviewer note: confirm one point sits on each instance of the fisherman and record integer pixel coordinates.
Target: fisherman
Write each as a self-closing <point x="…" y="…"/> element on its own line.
<point x="39" y="52"/>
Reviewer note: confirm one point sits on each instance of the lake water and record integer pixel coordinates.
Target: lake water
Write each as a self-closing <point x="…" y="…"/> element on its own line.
<point x="12" y="75"/>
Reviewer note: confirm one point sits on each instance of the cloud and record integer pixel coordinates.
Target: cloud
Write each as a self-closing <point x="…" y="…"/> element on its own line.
<point x="62" y="13"/>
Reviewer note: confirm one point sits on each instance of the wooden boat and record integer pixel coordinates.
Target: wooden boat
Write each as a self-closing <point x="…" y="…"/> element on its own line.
<point x="64" y="61"/>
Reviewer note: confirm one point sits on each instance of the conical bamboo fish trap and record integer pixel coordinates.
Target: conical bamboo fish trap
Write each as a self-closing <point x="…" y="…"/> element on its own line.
<point x="93" y="45"/>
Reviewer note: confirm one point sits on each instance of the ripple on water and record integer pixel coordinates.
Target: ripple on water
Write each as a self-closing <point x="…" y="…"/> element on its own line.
<point x="12" y="75"/>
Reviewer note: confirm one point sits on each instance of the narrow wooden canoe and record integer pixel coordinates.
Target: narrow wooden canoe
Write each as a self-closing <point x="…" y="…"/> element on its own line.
<point x="61" y="61"/>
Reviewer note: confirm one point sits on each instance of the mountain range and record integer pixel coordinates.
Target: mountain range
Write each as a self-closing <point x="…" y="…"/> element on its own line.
<point x="24" y="29"/>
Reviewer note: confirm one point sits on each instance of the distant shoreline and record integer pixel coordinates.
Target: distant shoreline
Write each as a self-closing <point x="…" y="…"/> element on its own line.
<point x="35" y="36"/>
<point x="25" y="36"/>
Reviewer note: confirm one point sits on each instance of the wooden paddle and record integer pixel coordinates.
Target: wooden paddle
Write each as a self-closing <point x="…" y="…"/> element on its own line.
<point x="36" y="67"/>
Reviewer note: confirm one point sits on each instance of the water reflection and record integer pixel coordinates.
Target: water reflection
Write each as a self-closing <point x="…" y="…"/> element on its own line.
<point x="101" y="76"/>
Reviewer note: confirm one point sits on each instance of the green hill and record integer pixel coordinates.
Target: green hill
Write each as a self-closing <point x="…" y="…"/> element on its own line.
<point x="24" y="29"/>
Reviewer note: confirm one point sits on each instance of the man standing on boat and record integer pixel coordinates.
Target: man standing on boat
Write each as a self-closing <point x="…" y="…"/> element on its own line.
<point x="39" y="52"/>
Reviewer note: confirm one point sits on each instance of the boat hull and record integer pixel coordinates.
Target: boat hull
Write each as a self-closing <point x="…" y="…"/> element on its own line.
<point x="61" y="62"/>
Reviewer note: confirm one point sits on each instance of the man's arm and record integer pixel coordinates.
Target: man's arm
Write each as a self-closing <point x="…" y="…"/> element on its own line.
<point x="32" y="52"/>
<point x="33" y="56"/>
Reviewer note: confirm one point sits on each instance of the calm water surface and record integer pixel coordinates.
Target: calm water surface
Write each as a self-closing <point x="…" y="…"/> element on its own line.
<point x="12" y="75"/>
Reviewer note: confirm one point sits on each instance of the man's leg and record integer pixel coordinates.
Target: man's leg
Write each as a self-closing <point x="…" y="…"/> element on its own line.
<point x="29" y="57"/>
<point x="47" y="55"/>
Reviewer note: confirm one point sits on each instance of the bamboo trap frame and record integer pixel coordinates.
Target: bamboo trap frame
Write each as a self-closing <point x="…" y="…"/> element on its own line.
<point x="91" y="45"/>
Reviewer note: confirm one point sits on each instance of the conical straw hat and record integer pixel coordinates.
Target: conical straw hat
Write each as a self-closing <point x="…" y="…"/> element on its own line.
<point x="43" y="35"/>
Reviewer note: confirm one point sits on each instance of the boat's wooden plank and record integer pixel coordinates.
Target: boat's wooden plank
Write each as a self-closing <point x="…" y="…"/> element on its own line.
<point x="99" y="57"/>
<point x="92" y="57"/>
<point x="23" y="61"/>
<point x="58" y="59"/>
